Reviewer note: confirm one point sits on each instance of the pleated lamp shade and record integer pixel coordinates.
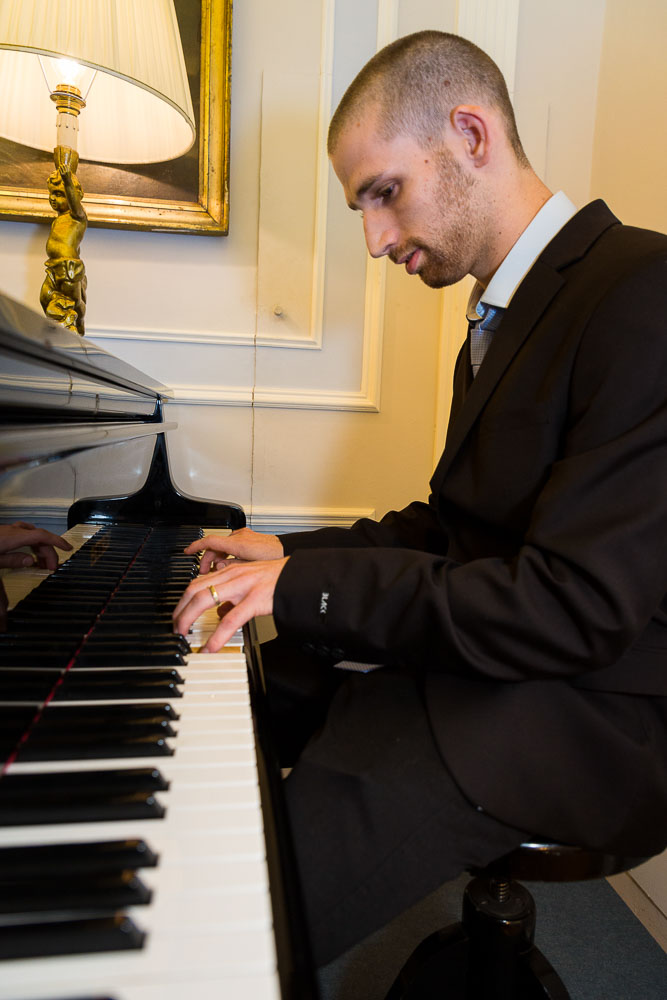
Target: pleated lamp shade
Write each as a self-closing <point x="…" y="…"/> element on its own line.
<point x="138" y="109"/>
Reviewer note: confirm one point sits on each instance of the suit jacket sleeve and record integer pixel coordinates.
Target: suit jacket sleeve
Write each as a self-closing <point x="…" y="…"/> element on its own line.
<point x="415" y="527"/>
<point x="591" y="568"/>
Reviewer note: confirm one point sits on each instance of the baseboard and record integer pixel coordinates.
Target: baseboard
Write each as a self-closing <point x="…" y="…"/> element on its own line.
<point x="648" y="914"/>
<point x="281" y="520"/>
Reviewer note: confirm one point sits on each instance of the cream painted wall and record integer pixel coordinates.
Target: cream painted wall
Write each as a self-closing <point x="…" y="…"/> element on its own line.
<point x="628" y="171"/>
<point x="630" y="148"/>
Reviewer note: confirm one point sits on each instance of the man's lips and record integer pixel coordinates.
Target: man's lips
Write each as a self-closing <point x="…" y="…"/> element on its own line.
<point x="411" y="261"/>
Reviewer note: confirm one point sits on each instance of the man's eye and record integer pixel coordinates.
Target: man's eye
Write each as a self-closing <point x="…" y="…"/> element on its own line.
<point x="386" y="192"/>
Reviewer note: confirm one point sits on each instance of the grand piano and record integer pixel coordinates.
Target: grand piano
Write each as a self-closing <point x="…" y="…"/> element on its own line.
<point x="144" y="847"/>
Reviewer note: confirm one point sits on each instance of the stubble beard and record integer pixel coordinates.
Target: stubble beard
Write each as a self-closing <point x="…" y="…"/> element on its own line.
<point x="448" y="249"/>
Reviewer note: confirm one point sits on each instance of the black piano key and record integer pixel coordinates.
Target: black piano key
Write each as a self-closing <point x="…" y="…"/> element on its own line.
<point x="98" y="747"/>
<point x="69" y="937"/>
<point x="134" y="627"/>
<point x="76" y="715"/>
<point x="158" y="650"/>
<point x="151" y="639"/>
<point x="14" y="724"/>
<point x="111" y="684"/>
<point x="60" y="603"/>
<point x="52" y="730"/>
<point x="56" y="786"/>
<point x="34" y="657"/>
<point x="162" y="646"/>
<point x="16" y="686"/>
<point x="96" y="856"/>
<point x="21" y="641"/>
<point x="143" y="587"/>
<point x="47" y="623"/>
<point x="80" y="809"/>
<point x="136" y="614"/>
<point x="76" y="585"/>
<point x="58" y="893"/>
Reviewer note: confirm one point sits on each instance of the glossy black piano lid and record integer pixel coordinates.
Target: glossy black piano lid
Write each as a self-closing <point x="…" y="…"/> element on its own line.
<point x="66" y="401"/>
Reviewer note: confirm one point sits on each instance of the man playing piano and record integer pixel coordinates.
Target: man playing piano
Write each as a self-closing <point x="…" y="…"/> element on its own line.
<point x="519" y="618"/>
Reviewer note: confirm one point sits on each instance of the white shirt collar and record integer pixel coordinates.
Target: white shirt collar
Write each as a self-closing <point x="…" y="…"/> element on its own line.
<point x="541" y="230"/>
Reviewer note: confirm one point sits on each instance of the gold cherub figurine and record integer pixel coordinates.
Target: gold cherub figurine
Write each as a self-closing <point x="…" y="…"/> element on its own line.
<point x="63" y="293"/>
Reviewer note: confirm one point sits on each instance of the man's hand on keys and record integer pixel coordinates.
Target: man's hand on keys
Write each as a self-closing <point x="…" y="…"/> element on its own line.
<point x="238" y="571"/>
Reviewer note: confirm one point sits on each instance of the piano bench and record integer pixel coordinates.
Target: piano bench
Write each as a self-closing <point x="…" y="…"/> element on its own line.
<point x="490" y="954"/>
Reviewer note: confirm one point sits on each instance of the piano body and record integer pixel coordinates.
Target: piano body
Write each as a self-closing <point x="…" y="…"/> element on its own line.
<point x="144" y="850"/>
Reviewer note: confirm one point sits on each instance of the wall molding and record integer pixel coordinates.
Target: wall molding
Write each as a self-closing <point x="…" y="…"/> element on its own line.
<point x="213" y="338"/>
<point x="363" y="400"/>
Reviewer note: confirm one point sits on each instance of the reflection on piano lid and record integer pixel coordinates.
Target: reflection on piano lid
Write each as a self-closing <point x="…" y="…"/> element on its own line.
<point x="140" y="801"/>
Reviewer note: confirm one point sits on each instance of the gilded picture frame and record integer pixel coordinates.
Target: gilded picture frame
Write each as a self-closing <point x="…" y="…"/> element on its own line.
<point x="187" y="195"/>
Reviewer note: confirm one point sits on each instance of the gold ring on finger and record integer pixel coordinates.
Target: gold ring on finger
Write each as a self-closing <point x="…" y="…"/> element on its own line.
<point x="214" y="595"/>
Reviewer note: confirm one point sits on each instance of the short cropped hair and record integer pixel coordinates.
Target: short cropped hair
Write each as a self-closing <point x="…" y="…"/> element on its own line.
<point x="417" y="80"/>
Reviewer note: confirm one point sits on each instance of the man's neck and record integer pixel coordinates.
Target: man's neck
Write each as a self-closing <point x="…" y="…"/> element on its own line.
<point x="518" y="203"/>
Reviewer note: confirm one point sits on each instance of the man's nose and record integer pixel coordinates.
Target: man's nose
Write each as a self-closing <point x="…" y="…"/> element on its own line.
<point x="380" y="236"/>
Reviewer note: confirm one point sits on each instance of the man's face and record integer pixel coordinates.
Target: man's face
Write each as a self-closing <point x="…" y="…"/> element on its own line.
<point x="419" y="206"/>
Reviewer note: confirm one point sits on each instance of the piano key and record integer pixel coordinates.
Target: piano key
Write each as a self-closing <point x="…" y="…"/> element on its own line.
<point x="19" y="811"/>
<point x="38" y="647"/>
<point x="166" y="654"/>
<point x="93" y="857"/>
<point x="94" y="715"/>
<point x="39" y="684"/>
<point x="39" y="784"/>
<point x="56" y="893"/>
<point x="68" y="937"/>
<point x="87" y="729"/>
<point x="81" y="746"/>
<point x="123" y="682"/>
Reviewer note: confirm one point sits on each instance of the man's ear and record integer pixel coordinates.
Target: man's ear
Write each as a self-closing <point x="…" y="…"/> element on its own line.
<point x="470" y="123"/>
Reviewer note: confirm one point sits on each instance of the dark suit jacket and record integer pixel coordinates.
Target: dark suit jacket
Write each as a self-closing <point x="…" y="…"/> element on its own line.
<point x="531" y="590"/>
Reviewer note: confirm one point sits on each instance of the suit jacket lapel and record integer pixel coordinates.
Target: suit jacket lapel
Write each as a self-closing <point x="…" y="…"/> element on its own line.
<point x="533" y="296"/>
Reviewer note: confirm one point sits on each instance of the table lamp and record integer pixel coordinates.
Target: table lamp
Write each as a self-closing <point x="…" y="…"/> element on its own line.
<point x="122" y="61"/>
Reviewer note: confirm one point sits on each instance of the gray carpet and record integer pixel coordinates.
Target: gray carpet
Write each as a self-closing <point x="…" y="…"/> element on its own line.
<point x="600" y="950"/>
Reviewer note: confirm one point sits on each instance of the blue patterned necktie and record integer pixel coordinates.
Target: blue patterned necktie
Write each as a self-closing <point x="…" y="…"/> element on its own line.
<point x="481" y="332"/>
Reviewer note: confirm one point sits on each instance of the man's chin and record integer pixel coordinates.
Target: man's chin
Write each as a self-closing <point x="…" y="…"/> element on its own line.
<point x="438" y="280"/>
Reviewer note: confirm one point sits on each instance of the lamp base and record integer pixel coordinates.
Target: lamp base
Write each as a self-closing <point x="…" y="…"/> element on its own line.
<point x="63" y="293"/>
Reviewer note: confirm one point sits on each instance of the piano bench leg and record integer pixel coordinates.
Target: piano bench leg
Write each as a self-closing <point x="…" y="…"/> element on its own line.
<point x="489" y="955"/>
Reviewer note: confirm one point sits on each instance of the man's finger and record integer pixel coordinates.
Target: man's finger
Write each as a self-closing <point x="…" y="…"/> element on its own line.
<point x="188" y="611"/>
<point x="233" y="620"/>
<point x="16" y="560"/>
<point x="217" y="543"/>
<point x="40" y="536"/>
<point x="46" y="556"/>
